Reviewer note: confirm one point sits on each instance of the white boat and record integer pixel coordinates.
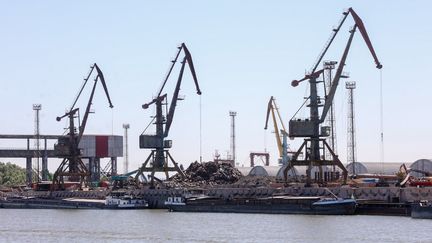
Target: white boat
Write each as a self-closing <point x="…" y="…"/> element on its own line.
<point x="174" y="201"/>
<point x="125" y="202"/>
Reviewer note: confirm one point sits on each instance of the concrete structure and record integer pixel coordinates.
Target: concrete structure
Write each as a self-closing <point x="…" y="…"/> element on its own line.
<point x="29" y="153"/>
<point x="94" y="147"/>
<point x="263" y="156"/>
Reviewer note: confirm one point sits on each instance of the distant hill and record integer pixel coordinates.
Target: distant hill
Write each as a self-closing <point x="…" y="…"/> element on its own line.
<point x="11" y="174"/>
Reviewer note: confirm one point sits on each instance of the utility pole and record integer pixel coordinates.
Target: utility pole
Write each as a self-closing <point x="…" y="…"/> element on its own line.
<point x="351" y="146"/>
<point x="233" y="147"/>
<point x="126" y="126"/>
<point x="37" y="108"/>
<point x="330" y="119"/>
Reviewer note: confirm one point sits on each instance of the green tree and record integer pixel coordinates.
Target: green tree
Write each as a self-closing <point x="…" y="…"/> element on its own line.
<point x="11" y="174"/>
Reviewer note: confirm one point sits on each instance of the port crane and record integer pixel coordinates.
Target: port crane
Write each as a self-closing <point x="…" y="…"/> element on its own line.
<point x="67" y="148"/>
<point x="315" y="145"/>
<point x="159" y="158"/>
<point x="282" y="145"/>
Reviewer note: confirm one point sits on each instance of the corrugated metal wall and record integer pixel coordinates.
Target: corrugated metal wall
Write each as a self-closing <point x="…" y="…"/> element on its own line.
<point x="101" y="146"/>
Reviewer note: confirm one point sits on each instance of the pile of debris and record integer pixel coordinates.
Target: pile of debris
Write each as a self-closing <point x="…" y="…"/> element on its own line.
<point x="207" y="173"/>
<point x="254" y="181"/>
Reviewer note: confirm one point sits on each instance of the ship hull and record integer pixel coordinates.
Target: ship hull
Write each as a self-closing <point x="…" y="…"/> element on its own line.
<point x="301" y="206"/>
<point x="420" y="211"/>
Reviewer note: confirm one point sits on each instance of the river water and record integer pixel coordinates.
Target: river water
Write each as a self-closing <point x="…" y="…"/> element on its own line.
<point x="29" y="225"/>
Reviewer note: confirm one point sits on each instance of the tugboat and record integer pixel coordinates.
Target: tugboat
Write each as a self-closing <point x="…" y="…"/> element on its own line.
<point x="125" y="202"/>
<point x="421" y="210"/>
<point x="270" y="205"/>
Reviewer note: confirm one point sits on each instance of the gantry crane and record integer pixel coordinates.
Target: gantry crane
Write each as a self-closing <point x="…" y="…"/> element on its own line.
<point x="67" y="146"/>
<point x="281" y="144"/>
<point x="160" y="157"/>
<point x="314" y="144"/>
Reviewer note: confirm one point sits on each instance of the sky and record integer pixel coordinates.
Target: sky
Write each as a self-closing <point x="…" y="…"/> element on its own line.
<point x="243" y="51"/>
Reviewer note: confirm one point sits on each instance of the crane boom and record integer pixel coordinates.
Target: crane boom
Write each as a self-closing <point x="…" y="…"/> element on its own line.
<point x="335" y="83"/>
<point x="188" y="57"/>
<point x="191" y="67"/>
<point x="82" y="87"/>
<point x="271" y="107"/>
<point x="87" y="111"/>
<point x="329" y="41"/>
<point x="102" y="79"/>
<point x="363" y="32"/>
<point x="174" y="99"/>
<point x="358" y="24"/>
<point x="73" y="110"/>
<point x="170" y="70"/>
<point x="365" y="35"/>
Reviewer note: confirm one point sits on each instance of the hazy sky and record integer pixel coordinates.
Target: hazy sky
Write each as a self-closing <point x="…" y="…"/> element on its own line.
<point x="244" y="52"/>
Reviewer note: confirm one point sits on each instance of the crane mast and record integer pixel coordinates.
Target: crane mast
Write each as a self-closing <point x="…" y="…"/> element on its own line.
<point x="67" y="148"/>
<point x="160" y="157"/>
<point x="315" y="145"/>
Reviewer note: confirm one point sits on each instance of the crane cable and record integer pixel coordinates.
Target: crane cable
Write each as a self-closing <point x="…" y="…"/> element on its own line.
<point x="200" y="127"/>
<point x="381" y="121"/>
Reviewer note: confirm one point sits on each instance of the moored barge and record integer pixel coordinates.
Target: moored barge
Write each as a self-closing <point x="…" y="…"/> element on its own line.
<point x="270" y="205"/>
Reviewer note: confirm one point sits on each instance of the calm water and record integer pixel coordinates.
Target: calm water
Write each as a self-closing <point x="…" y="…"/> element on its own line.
<point x="17" y="225"/>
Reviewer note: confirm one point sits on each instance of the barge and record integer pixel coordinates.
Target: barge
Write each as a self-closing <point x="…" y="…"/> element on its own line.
<point x="111" y="202"/>
<point x="269" y="205"/>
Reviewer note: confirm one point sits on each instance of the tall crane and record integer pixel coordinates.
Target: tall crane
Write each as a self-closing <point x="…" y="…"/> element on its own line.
<point x="314" y="144"/>
<point x="67" y="148"/>
<point x="281" y="144"/>
<point x="160" y="157"/>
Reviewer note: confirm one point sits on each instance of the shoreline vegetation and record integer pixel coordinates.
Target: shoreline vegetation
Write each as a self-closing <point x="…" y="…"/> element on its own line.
<point x="11" y="175"/>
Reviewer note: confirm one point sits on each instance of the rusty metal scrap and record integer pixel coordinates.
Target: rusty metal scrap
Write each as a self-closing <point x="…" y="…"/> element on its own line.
<point x="207" y="173"/>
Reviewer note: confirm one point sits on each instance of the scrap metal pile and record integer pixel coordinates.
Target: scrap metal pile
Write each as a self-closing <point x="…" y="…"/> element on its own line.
<point x="254" y="181"/>
<point x="207" y="173"/>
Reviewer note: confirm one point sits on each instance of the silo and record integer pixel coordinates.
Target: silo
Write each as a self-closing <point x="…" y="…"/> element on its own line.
<point x="244" y="170"/>
<point x="359" y="168"/>
<point x="423" y="165"/>
<point x="291" y="173"/>
<point x="258" y="171"/>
